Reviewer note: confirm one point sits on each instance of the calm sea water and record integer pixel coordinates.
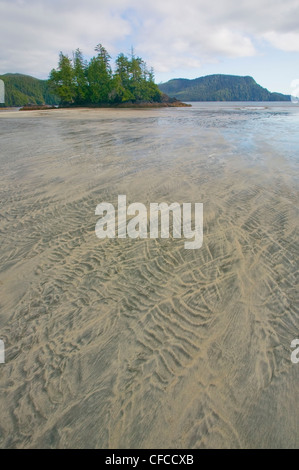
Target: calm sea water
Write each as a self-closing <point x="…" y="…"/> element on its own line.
<point x="244" y="123"/>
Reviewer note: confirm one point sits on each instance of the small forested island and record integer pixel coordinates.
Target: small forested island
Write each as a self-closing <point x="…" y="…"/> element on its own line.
<point x="77" y="82"/>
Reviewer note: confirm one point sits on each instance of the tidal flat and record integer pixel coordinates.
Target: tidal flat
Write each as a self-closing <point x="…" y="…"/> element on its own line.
<point x="123" y="343"/>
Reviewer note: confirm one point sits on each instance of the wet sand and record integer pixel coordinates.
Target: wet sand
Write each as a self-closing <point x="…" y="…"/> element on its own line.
<point x="141" y="343"/>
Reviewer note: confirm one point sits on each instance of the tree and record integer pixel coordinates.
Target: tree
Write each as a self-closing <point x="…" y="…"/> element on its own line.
<point x="121" y="80"/>
<point x="80" y="77"/>
<point x="99" y="75"/>
<point x="62" y="80"/>
<point x="135" y="82"/>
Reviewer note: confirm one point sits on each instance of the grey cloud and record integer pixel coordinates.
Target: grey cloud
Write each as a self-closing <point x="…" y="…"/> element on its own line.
<point x="168" y="34"/>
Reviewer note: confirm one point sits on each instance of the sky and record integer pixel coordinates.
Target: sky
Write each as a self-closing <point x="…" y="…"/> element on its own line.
<point x="178" y="38"/>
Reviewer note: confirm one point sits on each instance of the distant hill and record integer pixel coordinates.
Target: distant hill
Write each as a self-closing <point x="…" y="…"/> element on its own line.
<point x="23" y="89"/>
<point x="219" y="88"/>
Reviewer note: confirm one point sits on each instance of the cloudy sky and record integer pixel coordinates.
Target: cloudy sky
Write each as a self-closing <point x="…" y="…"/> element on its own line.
<point x="179" y="38"/>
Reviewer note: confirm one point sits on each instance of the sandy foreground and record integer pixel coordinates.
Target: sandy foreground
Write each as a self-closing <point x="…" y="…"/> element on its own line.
<point x="141" y="343"/>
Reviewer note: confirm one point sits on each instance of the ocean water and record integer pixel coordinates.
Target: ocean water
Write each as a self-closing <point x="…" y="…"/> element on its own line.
<point x="122" y="343"/>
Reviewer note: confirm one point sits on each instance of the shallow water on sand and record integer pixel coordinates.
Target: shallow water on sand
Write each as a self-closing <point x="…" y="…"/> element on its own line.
<point x="141" y="343"/>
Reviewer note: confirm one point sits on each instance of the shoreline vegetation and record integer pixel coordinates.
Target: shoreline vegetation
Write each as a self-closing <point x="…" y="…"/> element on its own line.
<point x="94" y="84"/>
<point x="172" y="103"/>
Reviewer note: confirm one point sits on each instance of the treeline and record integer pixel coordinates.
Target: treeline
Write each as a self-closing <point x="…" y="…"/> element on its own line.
<point x="78" y="82"/>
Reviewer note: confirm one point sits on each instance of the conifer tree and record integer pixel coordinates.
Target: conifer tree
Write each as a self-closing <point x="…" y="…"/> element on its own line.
<point x="99" y="76"/>
<point x="80" y="77"/>
<point x="62" y="80"/>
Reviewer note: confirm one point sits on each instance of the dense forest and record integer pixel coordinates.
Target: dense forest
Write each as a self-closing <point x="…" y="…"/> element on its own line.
<point x="76" y="82"/>
<point x="219" y="88"/>
<point x="80" y="82"/>
<point x="23" y="90"/>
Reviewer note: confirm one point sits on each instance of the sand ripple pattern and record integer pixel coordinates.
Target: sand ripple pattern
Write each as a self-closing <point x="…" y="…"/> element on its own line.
<point x="141" y="343"/>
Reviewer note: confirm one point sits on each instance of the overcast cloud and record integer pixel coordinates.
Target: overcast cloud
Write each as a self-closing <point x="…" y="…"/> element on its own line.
<point x="168" y="34"/>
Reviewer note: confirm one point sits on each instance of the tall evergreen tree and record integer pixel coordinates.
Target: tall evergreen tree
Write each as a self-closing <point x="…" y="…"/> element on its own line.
<point x="99" y="75"/>
<point x="62" y="80"/>
<point x="80" y="77"/>
<point x="121" y="79"/>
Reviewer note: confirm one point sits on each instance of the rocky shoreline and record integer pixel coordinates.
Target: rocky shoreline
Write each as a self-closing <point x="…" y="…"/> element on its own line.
<point x="165" y="104"/>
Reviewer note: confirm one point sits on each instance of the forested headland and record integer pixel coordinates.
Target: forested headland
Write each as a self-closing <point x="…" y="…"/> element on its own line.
<point x="219" y="88"/>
